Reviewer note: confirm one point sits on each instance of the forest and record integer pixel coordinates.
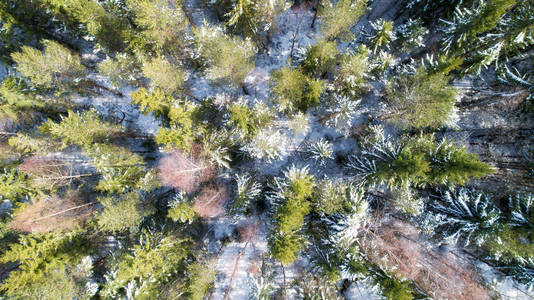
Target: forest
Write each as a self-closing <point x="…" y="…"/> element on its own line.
<point x="266" y="149"/>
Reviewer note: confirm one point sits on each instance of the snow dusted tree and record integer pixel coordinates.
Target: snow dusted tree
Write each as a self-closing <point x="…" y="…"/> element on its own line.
<point x="339" y="114"/>
<point x="427" y="98"/>
<point x="466" y="214"/>
<point x="247" y="190"/>
<point x="248" y="121"/>
<point x="227" y="58"/>
<point x="489" y="32"/>
<point x="336" y="19"/>
<point x="103" y="26"/>
<point x="56" y="67"/>
<point x="121" y="69"/>
<point x="382" y="35"/>
<point x="269" y="144"/>
<point x="149" y="266"/>
<point x="181" y="209"/>
<point x="411" y="34"/>
<point x="321" y="151"/>
<point x="320" y="58"/>
<point x="254" y="19"/>
<point x="291" y="202"/>
<point x="353" y="72"/>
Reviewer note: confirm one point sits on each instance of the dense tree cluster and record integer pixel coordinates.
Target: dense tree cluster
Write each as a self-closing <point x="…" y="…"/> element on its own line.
<point x="143" y="141"/>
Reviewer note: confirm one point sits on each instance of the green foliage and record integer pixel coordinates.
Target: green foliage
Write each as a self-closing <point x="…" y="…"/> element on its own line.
<point x="292" y="90"/>
<point x="395" y="289"/>
<point x="121" y="170"/>
<point x="320" y="58"/>
<point x="156" y="102"/>
<point x="25" y="144"/>
<point x="426" y="98"/>
<point x="408" y="168"/>
<point x="122" y="69"/>
<point x="383" y="34"/>
<point x="16" y="98"/>
<point x="162" y="23"/>
<point x="82" y="129"/>
<point x="13" y="184"/>
<point x="252" y="18"/>
<point x="228" y="59"/>
<point x="47" y="267"/>
<point x="57" y="66"/>
<point x="181" y="209"/>
<point x="337" y="18"/>
<point x="199" y="280"/>
<point x="182" y="121"/>
<point x="353" y="71"/>
<point x="147" y="268"/>
<point x="244" y="119"/>
<point x="294" y="193"/>
<point x="329" y="197"/>
<point x="164" y="75"/>
<point x="107" y="28"/>
<point x="123" y="213"/>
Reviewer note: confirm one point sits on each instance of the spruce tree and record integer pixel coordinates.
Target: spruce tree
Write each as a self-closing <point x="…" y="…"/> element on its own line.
<point x="336" y="19"/>
<point x="227" y="58"/>
<point x="426" y="98"/>
<point x="292" y="90"/>
<point x="55" y="67"/>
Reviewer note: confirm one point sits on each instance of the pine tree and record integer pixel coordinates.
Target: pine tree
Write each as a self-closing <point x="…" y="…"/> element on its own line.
<point x="55" y="67"/>
<point x="105" y="27"/>
<point x="181" y="209"/>
<point x="163" y="26"/>
<point x="227" y="59"/>
<point x="338" y="18"/>
<point x="81" y="129"/>
<point x="320" y="58"/>
<point x="292" y="205"/>
<point x="292" y="90"/>
<point x="254" y="19"/>
<point x="426" y="98"/>
<point x="164" y="75"/>
<point x="201" y="277"/>
<point x="147" y="268"/>
<point x="321" y="151"/>
<point x="411" y="35"/>
<point x="353" y="72"/>
<point x="48" y="267"/>
<point x="123" y="213"/>
<point x="121" y="70"/>
<point x="382" y="35"/>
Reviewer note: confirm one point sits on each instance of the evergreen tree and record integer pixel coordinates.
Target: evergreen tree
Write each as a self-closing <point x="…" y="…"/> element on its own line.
<point x="48" y="267"/>
<point x="105" y="27"/>
<point x="252" y="18"/>
<point x="320" y="58"/>
<point x="81" y="129"/>
<point x="181" y="209"/>
<point x="227" y="59"/>
<point x="353" y="72"/>
<point x="337" y="18"/>
<point x="292" y="201"/>
<point x="163" y="26"/>
<point x="382" y="35"/>
<point x="57" y="66"/>
<point x="122" y="69"/>
<point x="292" y="90"/>
<point x="147" y="268"/>
<point x="123" y="213"/>
<point x="426" y="98"/>
<point x="411" y="35"/>
<point x="164" y="75"/>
